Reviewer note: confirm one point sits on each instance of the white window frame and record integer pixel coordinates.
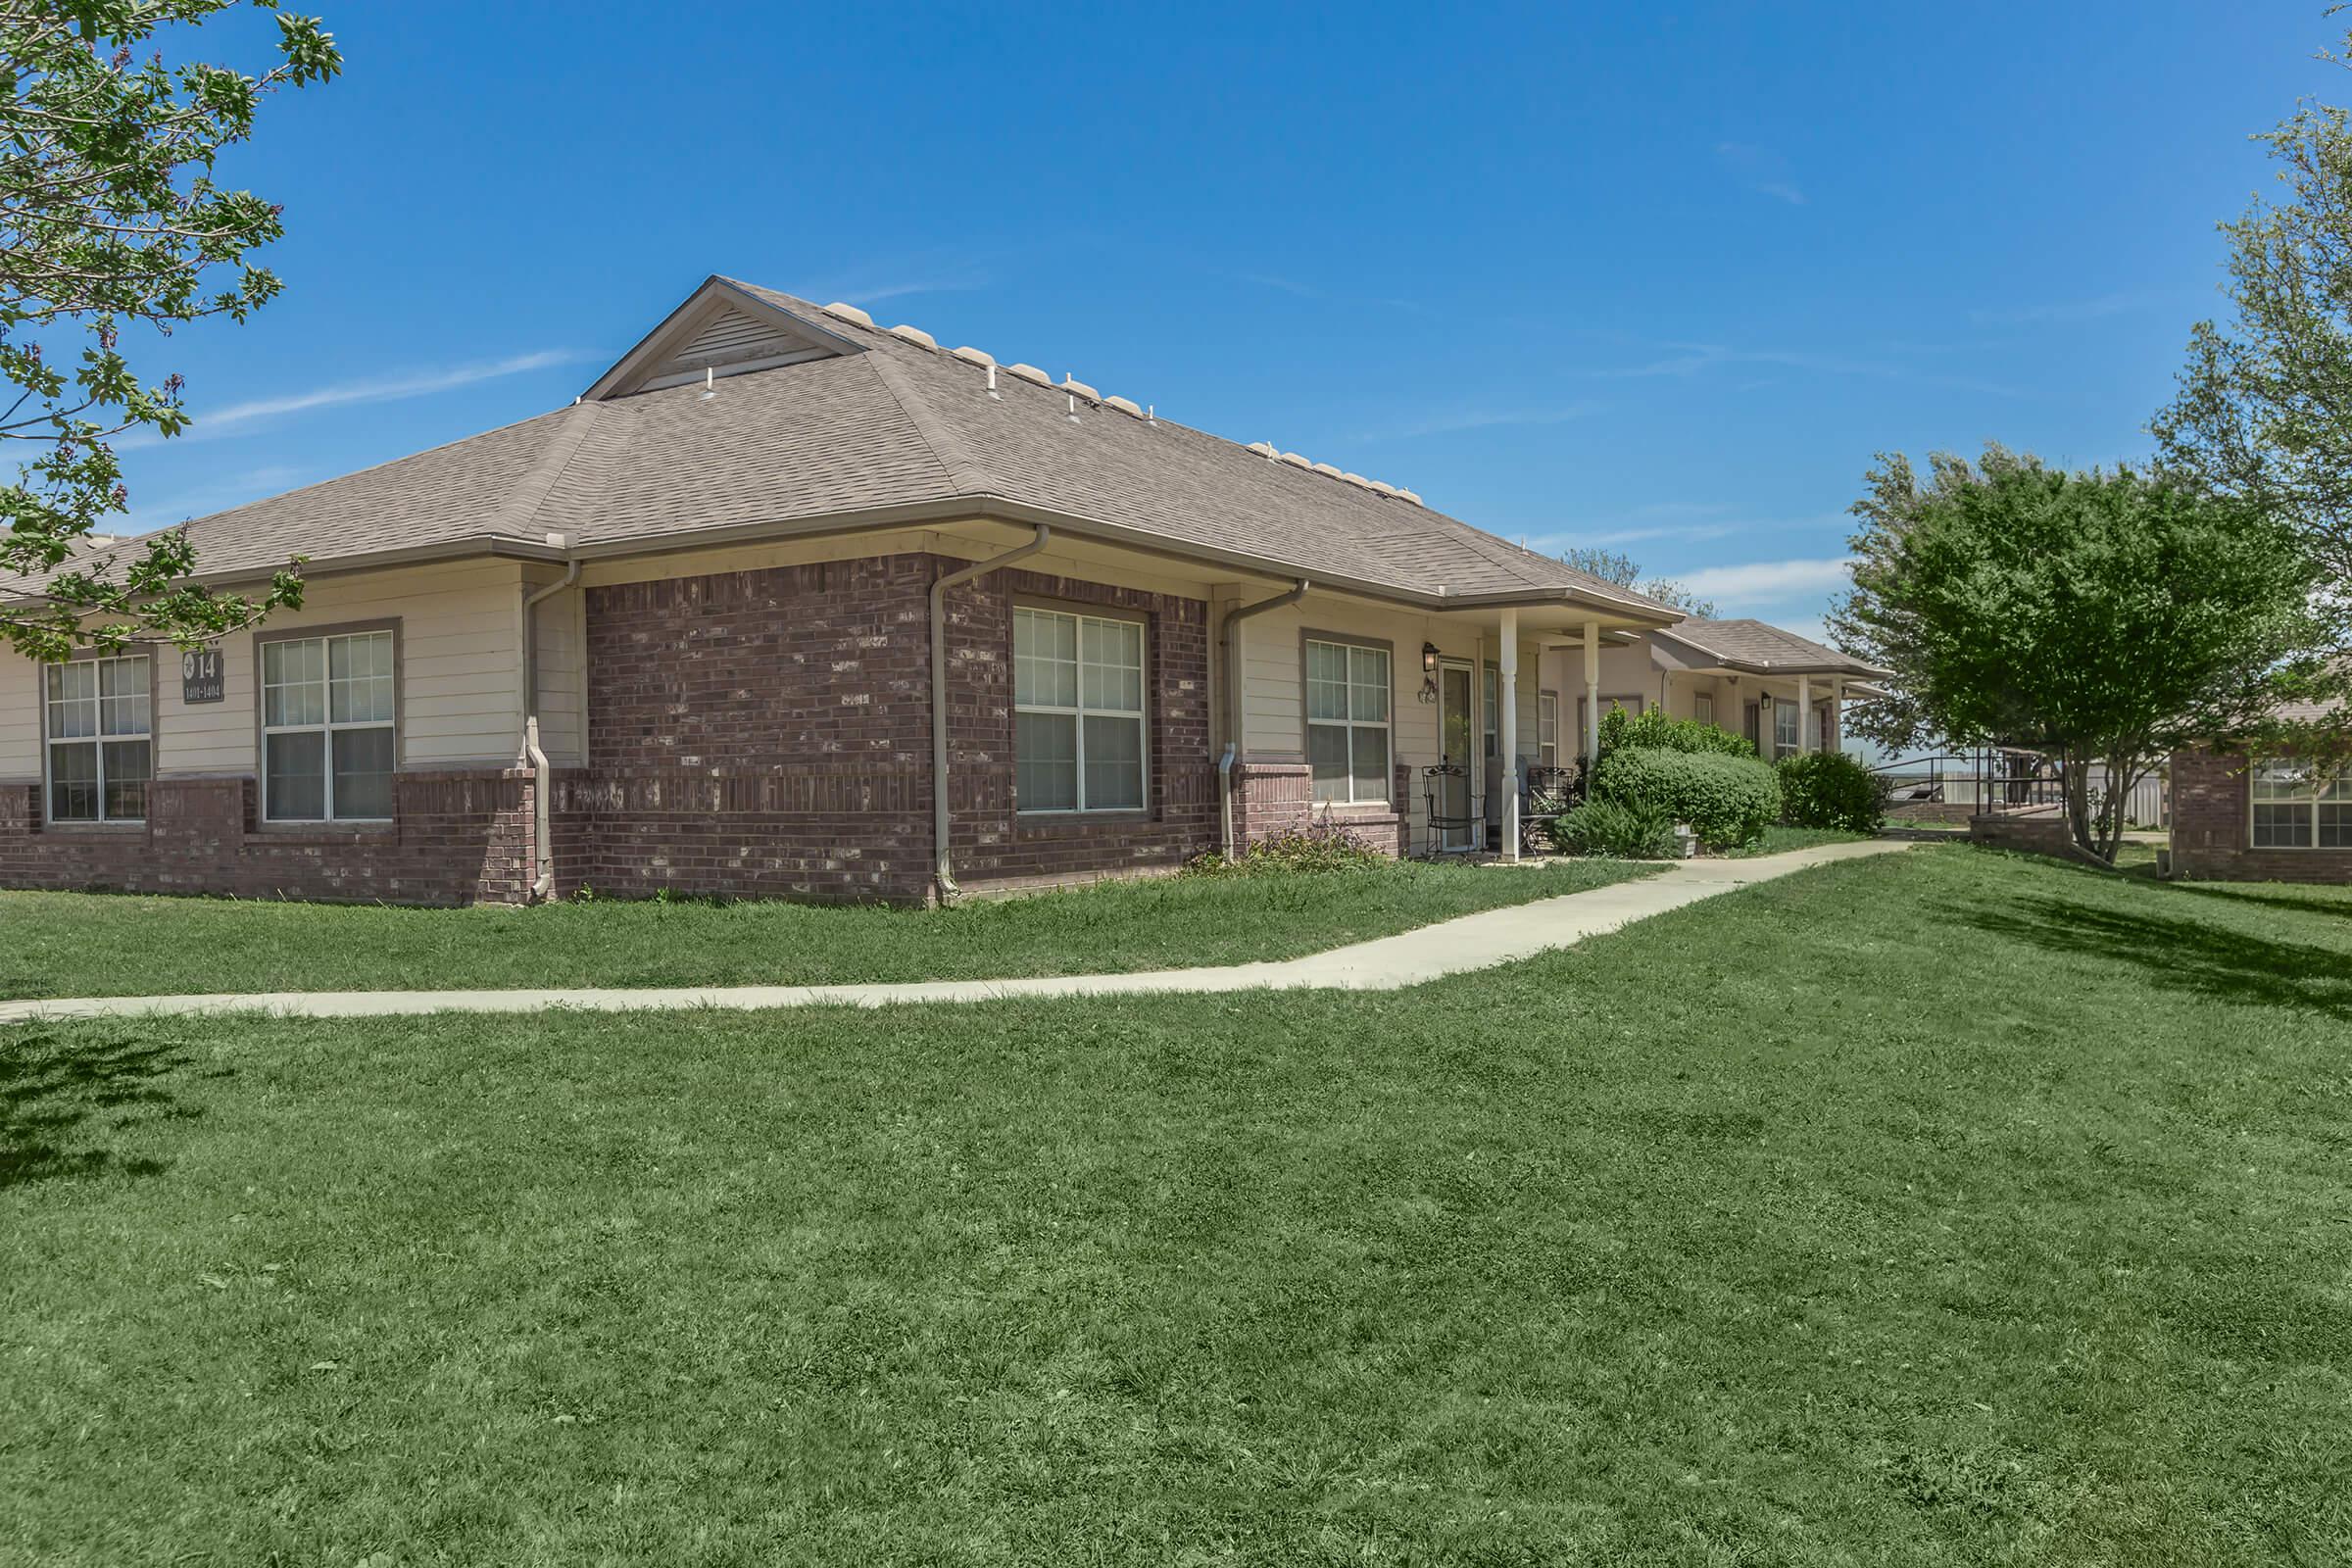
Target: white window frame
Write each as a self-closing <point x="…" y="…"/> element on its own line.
<point x="2311" y="799"/>
<point x="1702" y="707"/>
<point x="1350" y="724"/>
<point x="1548" y="729"/>
<point x="1085" y="710"/>
<point x="1781" y="748"/>
<point x="329" y="727"/>
<point x="98" y="738"/>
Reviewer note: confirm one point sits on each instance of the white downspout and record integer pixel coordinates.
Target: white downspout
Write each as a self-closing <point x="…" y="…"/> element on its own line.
<point x="543" y="833"/>
<point x="1231" y="640"/>
<point x="943" y="872"/>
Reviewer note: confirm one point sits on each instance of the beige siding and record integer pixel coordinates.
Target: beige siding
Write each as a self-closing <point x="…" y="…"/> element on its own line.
<point x="20" y="718"/>
<point x="563" y="624"/>
<point x="459" y="700"/>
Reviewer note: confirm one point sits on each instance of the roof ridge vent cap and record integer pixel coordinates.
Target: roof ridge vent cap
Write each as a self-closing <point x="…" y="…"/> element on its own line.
<point x="1407" y="495"/>
<point x="1265" y="449"/>
<point x="1295" y="461"/>
<point x="914" y="334"/>
<point x="1357" y="480"/>
<point x="972" y="356"/>
<point x="1382" y="486"/>
<point x="1331" y="468"/>
<point x="1070" y="383"/>
<point x="848" y="313"/>
<point x="1124" y="406"/>
<point x="1029" y="373"/>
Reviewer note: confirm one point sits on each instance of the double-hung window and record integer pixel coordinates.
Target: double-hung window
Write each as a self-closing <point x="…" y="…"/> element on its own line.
<point x="1077" y="711"/>
<point x="2298" y="805"/>
<point x="327" y="747"/>
<point x="1702" y="707"/>
<point x="1347" y="687"/>
<point x="1787" y="731"/>
<point x="1548" y="729"/>
<point x="101" y="739"/>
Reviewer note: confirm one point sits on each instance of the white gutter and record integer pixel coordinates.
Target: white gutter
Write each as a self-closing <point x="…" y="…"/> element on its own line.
<point x="943" y="872"/>
<point x="543" y="833"/>
<point x="1231" y="639"/>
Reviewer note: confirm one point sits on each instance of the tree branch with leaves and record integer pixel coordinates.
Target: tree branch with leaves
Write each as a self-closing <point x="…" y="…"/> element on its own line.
<point x="2104" y="618"/>
<point x="111" y="219"/>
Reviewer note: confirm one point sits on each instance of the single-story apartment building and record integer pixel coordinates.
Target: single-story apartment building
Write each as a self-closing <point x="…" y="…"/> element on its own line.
<point x="2244" y="818"/>
<point x="791" y="604"/>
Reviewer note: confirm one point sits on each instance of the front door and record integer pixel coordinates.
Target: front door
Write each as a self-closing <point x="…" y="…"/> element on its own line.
<point x="1454" y="744"/>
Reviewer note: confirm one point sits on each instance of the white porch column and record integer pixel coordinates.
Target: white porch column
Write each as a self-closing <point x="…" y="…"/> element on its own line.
<point x="1804" y="715"/>
<point x="1509" y="697"/>
<point x="1591" y="690"/>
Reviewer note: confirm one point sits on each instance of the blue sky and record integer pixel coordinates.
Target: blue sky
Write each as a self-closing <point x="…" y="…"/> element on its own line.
<point x="1657" y="277"/>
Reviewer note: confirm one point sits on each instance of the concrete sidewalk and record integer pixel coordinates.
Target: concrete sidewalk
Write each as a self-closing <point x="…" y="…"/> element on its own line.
<point x="1451" y="947"/>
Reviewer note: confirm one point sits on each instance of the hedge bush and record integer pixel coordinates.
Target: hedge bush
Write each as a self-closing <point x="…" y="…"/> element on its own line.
<point x="1830" y="788"/>
<point x="1627" y="832"/>
<point x="1728" y="801"/>
<point x="1323" y="845"/>
<point x="1652" y="730"/>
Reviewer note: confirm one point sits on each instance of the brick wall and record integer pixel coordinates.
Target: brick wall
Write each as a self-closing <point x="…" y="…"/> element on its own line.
<point x="767" y="733"/>
<point x="1275" y="798"/>
<point x="458" y="837"/>
<point x="2213" y="828"/>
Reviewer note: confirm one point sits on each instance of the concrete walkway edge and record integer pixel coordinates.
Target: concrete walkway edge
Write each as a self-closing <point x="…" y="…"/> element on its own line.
<point x="1459" y="946"/>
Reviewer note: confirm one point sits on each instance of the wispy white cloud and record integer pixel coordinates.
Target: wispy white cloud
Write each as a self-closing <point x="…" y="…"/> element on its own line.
<point x="237" y="418"/>
<point x="1695" y="359"/>
<point x="875" y="294"/>
<point x="2066" y="311"/>
<point x="1487" y="419"/>
<point x="1769" y="582"/>
<point x="1760" y="169"/>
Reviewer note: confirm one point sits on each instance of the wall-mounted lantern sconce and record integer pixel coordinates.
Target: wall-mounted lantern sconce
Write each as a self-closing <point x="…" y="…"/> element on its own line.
<point x="1429" y="658"/>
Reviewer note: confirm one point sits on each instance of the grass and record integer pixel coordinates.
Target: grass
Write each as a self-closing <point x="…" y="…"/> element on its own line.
<point x="1779" y="839"/>
<point x="1942" y="1209"/>
<point x="97" y="944"/>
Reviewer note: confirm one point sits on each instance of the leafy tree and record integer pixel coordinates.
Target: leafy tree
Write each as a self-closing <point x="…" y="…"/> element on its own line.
<point x="2100" y="618"/>
<point x="111" y="223"/>
<point x="2264" y="410"/>
<point x="1611" y="565"/>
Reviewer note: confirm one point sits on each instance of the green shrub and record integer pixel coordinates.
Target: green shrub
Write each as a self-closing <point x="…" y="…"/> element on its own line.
<point x="1652" y="730"/>
<point x="1830" y="788"/>
<point x="1626" y="832"/>
<point x="1728" y="801"/>
<point x="1323" y="845"/>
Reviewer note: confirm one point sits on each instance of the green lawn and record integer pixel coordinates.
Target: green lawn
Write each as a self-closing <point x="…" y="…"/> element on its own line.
<point x="1938" y="1208"/>
<point x="97" y="943"/>
<point x="1779" y="839"/>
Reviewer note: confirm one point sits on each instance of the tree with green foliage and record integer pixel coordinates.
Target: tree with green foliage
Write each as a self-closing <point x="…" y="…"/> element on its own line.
<point x="112" y="227"/>
<point x="1613" y="565"/>
<point x="2103" y="618"/>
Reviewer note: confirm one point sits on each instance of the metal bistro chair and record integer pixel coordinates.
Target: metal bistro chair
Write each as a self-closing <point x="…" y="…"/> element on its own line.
<point x="1547" y="797"/>
<point x="1450" y="810"/>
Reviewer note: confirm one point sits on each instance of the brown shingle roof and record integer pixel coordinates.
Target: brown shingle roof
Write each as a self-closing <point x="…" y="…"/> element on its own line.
<point x="898" y="425"/>
<point x="1765" y="649"/>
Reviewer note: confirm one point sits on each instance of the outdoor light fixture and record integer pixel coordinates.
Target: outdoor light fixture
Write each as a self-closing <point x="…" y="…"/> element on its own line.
<point x="1429" y="658"/>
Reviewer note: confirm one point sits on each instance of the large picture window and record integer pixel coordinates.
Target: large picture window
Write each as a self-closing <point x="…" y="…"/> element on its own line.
<point x="1078" y="711"/>
<point x="1347" y="687"/>
<point x="328" y="737"/>
<point x="101" y="739"/>
<point x="2298" y="805"/>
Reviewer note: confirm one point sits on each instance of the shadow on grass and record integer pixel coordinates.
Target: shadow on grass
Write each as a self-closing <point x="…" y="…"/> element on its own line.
<point x="2181" y="954"/>
<point x="49" y="1088"/>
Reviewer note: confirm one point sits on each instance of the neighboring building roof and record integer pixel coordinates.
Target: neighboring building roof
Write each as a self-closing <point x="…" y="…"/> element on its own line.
<point x="845" y="422"/>
<point x="1763" y="648"/>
